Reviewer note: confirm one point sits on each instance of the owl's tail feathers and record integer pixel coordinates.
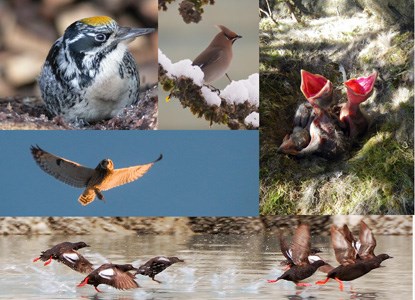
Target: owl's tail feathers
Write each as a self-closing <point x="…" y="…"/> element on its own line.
<point x="87" y="197"/>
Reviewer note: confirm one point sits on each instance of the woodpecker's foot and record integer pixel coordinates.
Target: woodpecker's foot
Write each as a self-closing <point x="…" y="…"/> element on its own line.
<point x="272" y="280"/>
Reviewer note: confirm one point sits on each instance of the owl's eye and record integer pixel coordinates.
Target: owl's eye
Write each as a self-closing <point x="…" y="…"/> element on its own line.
<point x="100" y="37"/>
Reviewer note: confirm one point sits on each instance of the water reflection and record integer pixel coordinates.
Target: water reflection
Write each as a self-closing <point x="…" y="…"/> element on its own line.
<point x="216" y="267"/>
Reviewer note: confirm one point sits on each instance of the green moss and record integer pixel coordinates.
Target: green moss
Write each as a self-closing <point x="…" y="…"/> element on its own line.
<point x="385" y="165"/>
<point x="275" y="201"/>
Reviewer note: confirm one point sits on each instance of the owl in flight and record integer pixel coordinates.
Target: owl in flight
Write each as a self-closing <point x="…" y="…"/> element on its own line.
<point x="102" y="178"/>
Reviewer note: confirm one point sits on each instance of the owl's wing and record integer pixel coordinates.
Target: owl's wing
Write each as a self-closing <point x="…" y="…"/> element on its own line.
<point x="126" y="175"/>
<point x="62" y="169"/>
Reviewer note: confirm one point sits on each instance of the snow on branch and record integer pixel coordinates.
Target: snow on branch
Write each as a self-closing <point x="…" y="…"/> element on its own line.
<point x="236" y="105"/>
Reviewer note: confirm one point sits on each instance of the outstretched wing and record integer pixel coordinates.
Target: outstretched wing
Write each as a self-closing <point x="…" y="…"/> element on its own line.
<point x="300" y="245"/>
<point x="343" y="249"/>
<point x="125" y="175"/>
<point x="62" y="169"/>
<point x="367" y="242"/>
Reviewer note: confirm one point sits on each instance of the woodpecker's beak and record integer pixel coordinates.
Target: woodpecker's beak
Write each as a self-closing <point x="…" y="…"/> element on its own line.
<point x="359" y="89"/>
<point x="125" y="33"/>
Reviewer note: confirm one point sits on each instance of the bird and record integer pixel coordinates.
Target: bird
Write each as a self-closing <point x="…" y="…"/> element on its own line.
<point x="317" y="89"/>
<point x="356" y="258"/>
<point x="216" y="59"/>
<point x="326" y="136"/>
<point x="156" y="265"/>
<point x="89" y="74"/>
<point x="301" y="264"/>
<point x="117" y="276"/>
<point x="102" y="178"/>
<point x="358" y="90"/>
<point x="296" y="141"/>
<point x="66" y="253"/>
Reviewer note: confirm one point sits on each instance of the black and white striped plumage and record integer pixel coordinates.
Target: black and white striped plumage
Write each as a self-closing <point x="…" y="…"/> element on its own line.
<point x="89" y="73"/>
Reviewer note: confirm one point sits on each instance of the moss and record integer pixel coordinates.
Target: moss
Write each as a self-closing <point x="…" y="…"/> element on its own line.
<point x="385" y="165"/>
<point x="376" y="175"/>
<point x="276" y="200"/>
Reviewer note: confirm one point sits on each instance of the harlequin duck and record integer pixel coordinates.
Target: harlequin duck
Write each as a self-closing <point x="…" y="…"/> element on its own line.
<point x="66" y="253"/>
<point x="156" y="265"/>
<point x="358" y="91"/>
<point x="117" y="276"/>
<point x="298" y="256"/>
<point x="356" y="257"/>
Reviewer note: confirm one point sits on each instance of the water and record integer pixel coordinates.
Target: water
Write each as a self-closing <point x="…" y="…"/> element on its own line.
<point x="216" y="267"/>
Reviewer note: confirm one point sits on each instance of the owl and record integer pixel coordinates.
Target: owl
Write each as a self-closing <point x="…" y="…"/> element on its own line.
<point x="102" y="178"/>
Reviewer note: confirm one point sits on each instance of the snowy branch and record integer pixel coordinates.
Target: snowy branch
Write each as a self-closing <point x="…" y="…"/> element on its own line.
<point x="236" y="105"/>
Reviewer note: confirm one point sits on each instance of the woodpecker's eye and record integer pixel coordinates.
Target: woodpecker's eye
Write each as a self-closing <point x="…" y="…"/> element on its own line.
<point x="100" y="37"/>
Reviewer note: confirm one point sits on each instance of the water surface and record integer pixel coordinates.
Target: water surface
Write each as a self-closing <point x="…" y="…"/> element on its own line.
<point x="216" y="267"/>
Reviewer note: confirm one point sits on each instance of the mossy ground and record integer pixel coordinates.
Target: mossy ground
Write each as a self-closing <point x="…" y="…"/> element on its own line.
<point x="377" y="175"/>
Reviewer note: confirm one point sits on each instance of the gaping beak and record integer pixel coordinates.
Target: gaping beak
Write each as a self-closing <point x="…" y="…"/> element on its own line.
<point x="359" y="89"/>
<point x="125" y="33"/>
<point x="317" y="89"/>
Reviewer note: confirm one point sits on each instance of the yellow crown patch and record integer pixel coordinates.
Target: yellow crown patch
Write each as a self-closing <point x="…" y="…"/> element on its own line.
<point x="97" y="21"/>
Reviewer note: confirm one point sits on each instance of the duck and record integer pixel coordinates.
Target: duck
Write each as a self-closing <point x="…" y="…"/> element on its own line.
<point x="156" y="265"/>
<point x="358" y="90"/>
<point x="302" y="265"/>
<point x="356" y="258"/>
<point x="66" y="253"/>
<point x="115" y="275"/>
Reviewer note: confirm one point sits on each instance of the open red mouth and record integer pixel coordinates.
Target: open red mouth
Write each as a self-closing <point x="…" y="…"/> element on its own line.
<point x="359" y="89"/>
<point x="316" y="88"/>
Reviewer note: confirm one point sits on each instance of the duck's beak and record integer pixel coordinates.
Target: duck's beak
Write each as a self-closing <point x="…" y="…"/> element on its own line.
<point x="359" y="89"/>
<point x="317" y="89"/>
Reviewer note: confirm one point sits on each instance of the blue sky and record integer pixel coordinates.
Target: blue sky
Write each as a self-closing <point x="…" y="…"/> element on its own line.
<point x="203" y="173"/>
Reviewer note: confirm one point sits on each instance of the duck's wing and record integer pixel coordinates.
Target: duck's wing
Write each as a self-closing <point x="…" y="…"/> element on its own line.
<point x="301" y="245"/>
<point x="367" y="242"/>
<point x="76" y="262"/>
<point x="343" y="249"/>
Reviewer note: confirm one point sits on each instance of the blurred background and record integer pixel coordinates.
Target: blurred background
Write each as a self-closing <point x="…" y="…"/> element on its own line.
<point x="29" y="28"/>
<point x="178" y="41"/>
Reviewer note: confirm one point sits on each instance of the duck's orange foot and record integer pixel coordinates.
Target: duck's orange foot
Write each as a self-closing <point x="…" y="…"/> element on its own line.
<point x="321" y="282"/>
<point x="341" y="285"/>
<point x="303" y="284"/>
